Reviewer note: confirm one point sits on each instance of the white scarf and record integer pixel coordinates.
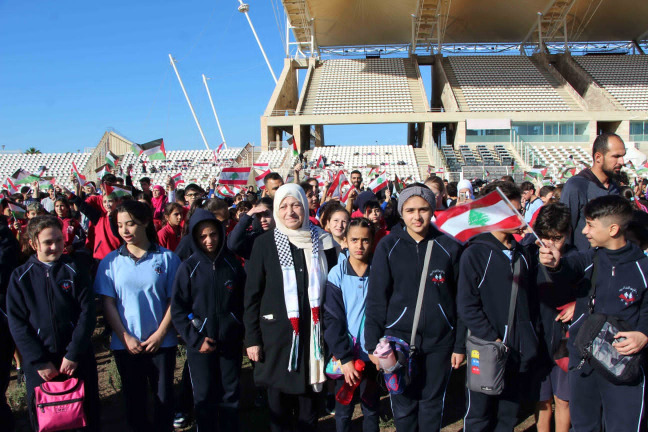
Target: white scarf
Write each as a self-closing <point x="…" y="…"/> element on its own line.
<point x="313" y="241"/>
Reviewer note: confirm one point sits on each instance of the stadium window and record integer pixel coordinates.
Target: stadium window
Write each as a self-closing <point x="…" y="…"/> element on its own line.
<point x="551" y="132"/>
<point x="639" y="131"/>
<point x="581" y="131"/>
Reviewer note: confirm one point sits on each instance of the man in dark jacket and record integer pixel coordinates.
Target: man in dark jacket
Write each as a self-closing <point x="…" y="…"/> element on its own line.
<point x="9" y="251"/>
<point x="391" y="300"/>
<point x="207" y="309"/>
<point x="607" y="155"/>
<point x="485" y="285"/>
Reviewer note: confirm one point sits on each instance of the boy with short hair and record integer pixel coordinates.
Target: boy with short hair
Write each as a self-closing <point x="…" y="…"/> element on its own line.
<point x="483" y="299"/>
<point x="620" y="291"/>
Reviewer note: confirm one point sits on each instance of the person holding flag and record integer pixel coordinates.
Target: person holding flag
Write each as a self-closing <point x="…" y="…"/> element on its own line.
<point x="485" y="283"/>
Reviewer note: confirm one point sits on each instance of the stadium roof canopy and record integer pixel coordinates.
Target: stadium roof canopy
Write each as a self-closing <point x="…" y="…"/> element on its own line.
<point x="426" y="22"/>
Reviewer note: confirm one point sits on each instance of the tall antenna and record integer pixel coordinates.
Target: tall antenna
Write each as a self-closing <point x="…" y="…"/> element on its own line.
<point x="214" y="109"/>
<point x="188" y="101"/>
<point x="244" y="8"/>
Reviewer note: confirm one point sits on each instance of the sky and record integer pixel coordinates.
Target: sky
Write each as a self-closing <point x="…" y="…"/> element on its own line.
<point x="69" y="70"/>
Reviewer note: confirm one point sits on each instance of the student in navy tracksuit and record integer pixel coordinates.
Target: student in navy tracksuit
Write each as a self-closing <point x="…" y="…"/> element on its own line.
<point x="50" y="305"/>
<point x="621" y="286"/>
<point x="344" y="317"/>
<point x="393" y="287"/>
<point x="207" y="309"/>
<point x="485" y="283"/>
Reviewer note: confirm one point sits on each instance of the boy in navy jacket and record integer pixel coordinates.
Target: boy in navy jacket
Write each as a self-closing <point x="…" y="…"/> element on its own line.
<point x="50" y="306"/>
<point x="484" y="294"/>
<point x="206" y="309"/>
<point x="391" y="299"/>
<point x="620" y="290"/>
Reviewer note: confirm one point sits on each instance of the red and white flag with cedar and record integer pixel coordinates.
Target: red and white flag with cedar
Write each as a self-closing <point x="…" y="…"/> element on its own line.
<point x="379" y="183"/>
<point x="80" y="177"/>
<point x="490" y="213"/>
<point x="225" y="191"/>
<point x="261" y="165"/>
<point x="338" y="185"/>
<point x="177" y="179"/>
<point x="259" y="178"/>
<point x="345" y="196"/>
<point x="320" y="162"/>
<point x="235" y="176"/>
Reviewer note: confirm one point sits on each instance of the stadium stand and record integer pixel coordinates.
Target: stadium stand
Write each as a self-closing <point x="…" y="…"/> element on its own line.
<point x="625" y="77"/>
<point x="504" y="83"/>
<point x="57" y="165"/>
<point x="274" y="158"/>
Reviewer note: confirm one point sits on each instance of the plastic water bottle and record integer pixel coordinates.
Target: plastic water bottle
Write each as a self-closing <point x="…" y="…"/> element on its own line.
<point x="345" y="394"/>
<point x="385" y="355"/>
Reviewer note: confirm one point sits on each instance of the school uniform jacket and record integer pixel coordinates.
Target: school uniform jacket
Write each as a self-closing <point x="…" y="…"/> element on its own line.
<point x="393" y="288"/>
<point x="485" y="283"/>
<point x="212" y="291"/>
<point x="266" y="320"/>
<point x="621" y="286"/>
<point x="51" y="310"/>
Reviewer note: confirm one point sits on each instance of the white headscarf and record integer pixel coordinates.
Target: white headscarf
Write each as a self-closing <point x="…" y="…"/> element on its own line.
<point x="465" y="184"/>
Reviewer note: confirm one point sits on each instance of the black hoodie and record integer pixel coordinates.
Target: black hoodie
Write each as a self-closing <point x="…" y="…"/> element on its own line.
<point x="209" y="289"/>
<point x="578" y="191"/>
<point x="485" y="283"/>
<point x="393" y="288"/>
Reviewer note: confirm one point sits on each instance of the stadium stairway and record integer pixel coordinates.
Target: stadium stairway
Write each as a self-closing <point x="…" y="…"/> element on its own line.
<point x="561" y="88"/>
<point x="454" y="83"/>
<point x="417" y="91"/>
<point x="422" y="162"/>
<point x="311" y="91"/>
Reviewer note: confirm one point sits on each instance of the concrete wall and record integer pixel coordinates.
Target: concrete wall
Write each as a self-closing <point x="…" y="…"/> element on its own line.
<point x="442" y="95"/>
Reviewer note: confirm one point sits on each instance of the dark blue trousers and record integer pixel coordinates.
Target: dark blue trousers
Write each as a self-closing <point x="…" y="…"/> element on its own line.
<point x="368" y="394"/>
<point x="595" y="401"/>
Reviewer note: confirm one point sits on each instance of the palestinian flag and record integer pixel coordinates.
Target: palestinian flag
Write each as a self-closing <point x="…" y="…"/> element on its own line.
<point x="338" y="185"/>
<point x="45" y="184"/>
<point x="154" y="149"/>
<point x="102" y="171"/>
<point x="399" y="184"/>
<point x="290" y="178"/>
<point x="567" y="172"/>
<point x="136" y="149"/>
<point x="259" y="178"/>
<point x="21" y="177"/>
<point x="643" y="169"/>
<point x="293" y="144"/>
<point x="17" y="211"/>
<point x="379" y="183"/>
<point x="10" y="186"/>
<point x="177" y="179"/>
<point x="536" y="174"/>
<point x="111" y="159"/>
<point x="118" y="190"/>
<point x="490" y="213"/>
<point x="80" y="177"/>
<point x="320" y="162"/>
<point x="234" y="176"/>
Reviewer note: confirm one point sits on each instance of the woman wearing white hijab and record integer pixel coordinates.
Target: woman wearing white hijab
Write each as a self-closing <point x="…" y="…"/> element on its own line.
<point x="286" y="277"/>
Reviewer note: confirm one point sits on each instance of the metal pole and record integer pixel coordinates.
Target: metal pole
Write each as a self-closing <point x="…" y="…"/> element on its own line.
<point x="213" y="109"/>
<point x="565" y="34"/>
<point x="439" y="33"/>
<point x="540" y="32"/>
<point x="244" y="8"/>
<point x="287" y="37"/>
<point x="188" y="101"/>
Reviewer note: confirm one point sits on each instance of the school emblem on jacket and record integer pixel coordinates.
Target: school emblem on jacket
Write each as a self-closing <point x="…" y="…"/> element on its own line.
<point x="437" y="276"/>
<point x="158" y="269"/>
<point x="628" y="295"/>
<point x="229" y="285"/>
<point x="66" y="285"/>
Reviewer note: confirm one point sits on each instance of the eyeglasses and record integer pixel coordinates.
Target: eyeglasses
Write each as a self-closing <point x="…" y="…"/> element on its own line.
<point x="193" y="195"/>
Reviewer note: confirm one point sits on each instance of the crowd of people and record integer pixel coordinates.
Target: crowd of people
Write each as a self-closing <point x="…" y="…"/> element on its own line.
<point x="320" y="296"/>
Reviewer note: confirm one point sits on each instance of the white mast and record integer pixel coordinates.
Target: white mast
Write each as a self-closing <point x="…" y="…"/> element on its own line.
<point x="214" y="109"/>
<point x="244" y="7"/>
<point x="189" y="102"/>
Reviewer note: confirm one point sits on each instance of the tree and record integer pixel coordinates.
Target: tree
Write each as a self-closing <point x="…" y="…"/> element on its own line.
<point x="32" y="150"/>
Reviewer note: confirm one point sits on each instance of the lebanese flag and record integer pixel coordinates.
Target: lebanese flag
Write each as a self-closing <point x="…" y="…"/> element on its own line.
<point x="117" y="190"/>
<point x="379" y="183"/>
<point x="490" y="213"/>
<point x="320" y="162"/>
<point x="338" y="183"/>
<point x="177" y="179"/>
<point x="80" y="177"/>
<point x="345" y="197"/>
<point x="235" y="176"/>
<point x="259" y="179"/>
<point x="261" y="165"/>
<point x="225" y="191"/>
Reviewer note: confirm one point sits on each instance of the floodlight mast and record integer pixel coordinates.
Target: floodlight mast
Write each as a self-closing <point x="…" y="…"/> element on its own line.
<point x="214" y="109"/>
<point x="244" y="8"/>
<point x="188" y="101"/>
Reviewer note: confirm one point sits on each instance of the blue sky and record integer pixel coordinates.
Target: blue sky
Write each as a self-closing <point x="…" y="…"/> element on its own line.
<point x="71" y="69"/>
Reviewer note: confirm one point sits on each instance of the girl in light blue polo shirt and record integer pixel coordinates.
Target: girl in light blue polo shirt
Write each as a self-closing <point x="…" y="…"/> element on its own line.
<point x="135" y="282"/>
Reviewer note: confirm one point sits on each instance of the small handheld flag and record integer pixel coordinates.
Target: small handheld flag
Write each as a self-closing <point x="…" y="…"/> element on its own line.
<point x="235" y="176"/>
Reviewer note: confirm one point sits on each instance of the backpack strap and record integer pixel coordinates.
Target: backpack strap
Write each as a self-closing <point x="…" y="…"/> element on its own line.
<point x="515" y="287"/>
<point x="421" y="292"/>
<point x="592" y="291"/>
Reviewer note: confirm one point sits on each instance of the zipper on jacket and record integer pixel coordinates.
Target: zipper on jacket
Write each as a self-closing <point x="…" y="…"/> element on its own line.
<point x="613" y="267"/>
<point x="50" y="298"/>
<point x="63" y="402"/>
